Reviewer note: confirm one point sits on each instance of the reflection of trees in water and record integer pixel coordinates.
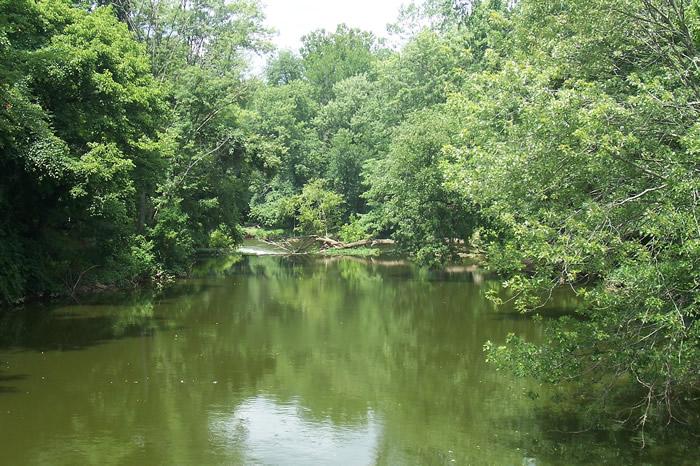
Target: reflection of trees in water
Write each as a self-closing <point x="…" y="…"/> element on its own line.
<point x="341" y="338"/>
<point x="216" y="267"/>
<point x="347" y="337"/>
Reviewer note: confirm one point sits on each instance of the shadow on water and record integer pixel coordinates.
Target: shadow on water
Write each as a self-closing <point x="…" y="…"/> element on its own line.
<point x="53" y="331"/>
<point x="560" y="438"/>
<point x="4" y="379"/>
<point x="74" y="327"/>
<point x="95" y="320"/>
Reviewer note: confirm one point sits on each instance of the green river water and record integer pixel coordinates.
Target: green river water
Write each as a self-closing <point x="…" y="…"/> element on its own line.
<point x="276" y="361"/>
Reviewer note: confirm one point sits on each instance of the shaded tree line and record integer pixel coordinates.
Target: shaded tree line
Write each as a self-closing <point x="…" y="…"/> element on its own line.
<point x="122" y="152"/>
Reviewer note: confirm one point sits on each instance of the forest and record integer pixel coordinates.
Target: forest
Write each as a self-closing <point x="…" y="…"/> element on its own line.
<point x="557" y="140"/>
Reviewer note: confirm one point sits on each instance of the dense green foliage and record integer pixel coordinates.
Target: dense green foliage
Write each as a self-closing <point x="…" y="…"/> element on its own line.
<point x="122" y="152"/>
<point x="560" y="139"/>
<point x="80" y="115"/>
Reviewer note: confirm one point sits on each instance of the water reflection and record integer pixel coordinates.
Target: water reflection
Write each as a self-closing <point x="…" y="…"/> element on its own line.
<point x="275" y="360"/>
<point x="272" y="433"/>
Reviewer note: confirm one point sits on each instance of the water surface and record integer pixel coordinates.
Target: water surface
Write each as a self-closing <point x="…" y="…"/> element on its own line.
<point x="275" y="360"/>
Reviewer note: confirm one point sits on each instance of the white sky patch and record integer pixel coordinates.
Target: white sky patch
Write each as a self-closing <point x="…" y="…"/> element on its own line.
<point x="295" y="18"/>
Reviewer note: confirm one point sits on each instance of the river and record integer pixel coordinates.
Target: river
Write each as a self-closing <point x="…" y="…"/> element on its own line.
<point x="278" y="360"/>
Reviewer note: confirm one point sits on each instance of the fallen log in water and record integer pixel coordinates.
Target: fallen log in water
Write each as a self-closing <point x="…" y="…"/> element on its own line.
<point x="333" y="244"/>
<point x="297" y="245"/>
<point x="302" y="245"/>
